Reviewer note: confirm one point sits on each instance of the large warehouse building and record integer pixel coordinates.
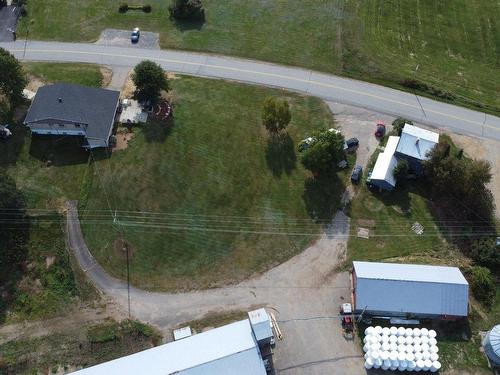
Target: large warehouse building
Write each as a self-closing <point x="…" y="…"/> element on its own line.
<point x="239" y="348"/>
<point x="409" y="291"/>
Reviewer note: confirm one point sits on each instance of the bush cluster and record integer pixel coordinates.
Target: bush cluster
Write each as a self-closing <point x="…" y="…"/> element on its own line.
<point x="424" y="87"/>
<point x="482" y="284"/>
<point x="123" y="8"/>
<point x="187" y="10"/>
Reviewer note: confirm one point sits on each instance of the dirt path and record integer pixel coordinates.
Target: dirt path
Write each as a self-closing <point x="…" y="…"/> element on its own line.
<point x="70" y="323"/>
<point x="304" y="291"/>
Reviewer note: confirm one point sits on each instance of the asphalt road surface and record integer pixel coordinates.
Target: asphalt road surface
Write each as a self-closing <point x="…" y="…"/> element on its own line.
<point x="326" y="86"/>
<point x="8" y="22"/>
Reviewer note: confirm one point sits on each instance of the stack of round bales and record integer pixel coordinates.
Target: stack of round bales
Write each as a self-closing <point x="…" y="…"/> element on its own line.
<point x="402" y="349"/>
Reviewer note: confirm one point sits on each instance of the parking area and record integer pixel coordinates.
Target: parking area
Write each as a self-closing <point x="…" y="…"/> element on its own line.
<point x="121" y="38"/>
<point x="8" y="22"/>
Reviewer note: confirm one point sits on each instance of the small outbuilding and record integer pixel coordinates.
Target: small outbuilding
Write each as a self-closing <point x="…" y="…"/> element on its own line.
<point x="409" y="291"/>
<point x="382" y="175"/>
<point x="65" y="109"/>
<point x="415" y="144"/>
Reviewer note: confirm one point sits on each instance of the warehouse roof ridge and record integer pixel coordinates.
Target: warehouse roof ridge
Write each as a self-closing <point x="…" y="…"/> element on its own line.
<point x="409" y="272"/>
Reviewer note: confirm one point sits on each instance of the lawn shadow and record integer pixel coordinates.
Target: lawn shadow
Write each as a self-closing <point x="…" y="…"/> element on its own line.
<point x="322" y="196"/>
<point x="12" y="147"/>
<point x="157" y="131"/>
<point x="58" y="151"/>
<point x="13" y="268"/>
<point x="398" y="199"/>
<point x="280" y="154"/>
<point x="187" y="25"/>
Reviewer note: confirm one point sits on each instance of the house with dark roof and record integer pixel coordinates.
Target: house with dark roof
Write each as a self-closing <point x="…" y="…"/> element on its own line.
<point x="65" y="109"/>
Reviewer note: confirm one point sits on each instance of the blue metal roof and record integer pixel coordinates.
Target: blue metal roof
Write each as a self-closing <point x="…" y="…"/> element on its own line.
<point x="416" y="142"/>
<point x="408" y="288"/>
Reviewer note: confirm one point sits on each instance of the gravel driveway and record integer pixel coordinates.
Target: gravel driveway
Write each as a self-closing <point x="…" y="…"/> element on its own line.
<point x="305" y="291"/>
<point x="121" y="38"/>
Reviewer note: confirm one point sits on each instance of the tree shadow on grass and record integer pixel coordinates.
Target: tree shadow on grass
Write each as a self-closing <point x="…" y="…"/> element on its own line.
<point x="12" y="147"/>
<point x="280" y="154"/>
<point x="322" y="196"/>
<point x="157" y="131"/>
<point x="60" y="151"/>
<point x="188" y="25"/>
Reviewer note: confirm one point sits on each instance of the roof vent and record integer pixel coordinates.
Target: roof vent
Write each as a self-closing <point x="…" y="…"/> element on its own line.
<point x="59" y="100"/>
<point x="418" y="140"/>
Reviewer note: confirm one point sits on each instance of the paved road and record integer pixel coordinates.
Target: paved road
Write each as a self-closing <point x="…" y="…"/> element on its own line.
<point x="305" y="291"/>
<point x="8" y="22"/>
<point x="325" y="86"/>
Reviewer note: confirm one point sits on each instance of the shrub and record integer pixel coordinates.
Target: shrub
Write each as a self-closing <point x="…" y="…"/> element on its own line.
<point x="147" y="8"/>
<point x="24" y="10"/>
<point x="3" y="3"/>
<point x="483" y="285"/>
<point x="398" y="125"/>
<point x="188" y="10"/>
<point x="485" y="252"/>
<point x="123" y="8"/>
<point x="401" y="171"/>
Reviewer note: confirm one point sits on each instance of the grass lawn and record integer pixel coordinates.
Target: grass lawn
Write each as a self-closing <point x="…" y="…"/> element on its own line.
<point x="451" y="46"/>
<point x="208" y="198"/>
<point x="83" y="74"/>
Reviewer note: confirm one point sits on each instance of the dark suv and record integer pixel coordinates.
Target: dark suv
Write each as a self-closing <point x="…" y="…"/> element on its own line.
<point x="351" y="144"/>
<point x="356" y="174"/>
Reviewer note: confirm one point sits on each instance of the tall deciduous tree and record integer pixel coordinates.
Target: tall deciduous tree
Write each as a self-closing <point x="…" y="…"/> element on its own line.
<point x="190" y="10"/>
<point x="149" y="79"/>
<point x="324" y="153"/>
<point x="276" y="114"/>
<point x="12" y="77"/>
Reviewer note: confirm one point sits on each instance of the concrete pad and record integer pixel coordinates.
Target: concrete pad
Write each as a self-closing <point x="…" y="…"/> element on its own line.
<point x="121" y="38"/>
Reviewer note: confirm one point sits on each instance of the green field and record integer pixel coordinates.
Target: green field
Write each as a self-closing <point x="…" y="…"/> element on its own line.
<point x="452" y="46"/>
<point x="208" y="198"/>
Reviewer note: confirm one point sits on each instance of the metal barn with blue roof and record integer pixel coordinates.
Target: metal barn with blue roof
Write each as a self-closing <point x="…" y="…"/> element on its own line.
<point x="409" y="291"/>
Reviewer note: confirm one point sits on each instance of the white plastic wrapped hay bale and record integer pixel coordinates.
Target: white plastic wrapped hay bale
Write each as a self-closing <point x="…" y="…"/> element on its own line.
<point x="377" y="363"/>
<point x="411" y="365"/>
<point x="409" y="340"/>
<point x="393" y="347"/>
<point x="416" y="332"/>
<point x="409" y="349"/>
<point x="433" y="349"/>
<point x="425" y="347"/>
<point x="369" y="331"/>
<point x="386" y="346"/>
<point x="401" y="356"/>
<point x="403" y="365"/>
<point x="432" y="334"/>
<point x="424" y="340"/>
<point x="393" y="330"/>
<point x="393" y="338"/>
<point x="410" y="357"/>
<point x="386" y="331"/>
<point x="417" y="348"/>
<point x="375" y="355"/>
<point x="408" y="332"/>
<point x="384" y="355"/>
<point x="424" y="332"/>
<point x="419" y="365"/>
<point x="401" y="348"/>
<point x="401" y="331"/>
<point x="401" y="340"/>
<point x="375" y="347"/>
<point x="417" y="340"/>
<point x="434" y="357"/>
<point x="369" y="363"/>
<point x="418" y="355"/>
<point x="384" y="338"/>
<point x="368" y="355"/>
<point x="386" y="364"/>
<point x="426" y="355"/>
<point x="394" y="364"/>
<point x="366" y="348"/>
<point x="377" y="330"/>
<point x="373" y="339"/>
<point x="436" y="365"/>
<point x="427" y="365"/>
<point x="432" y="341"/>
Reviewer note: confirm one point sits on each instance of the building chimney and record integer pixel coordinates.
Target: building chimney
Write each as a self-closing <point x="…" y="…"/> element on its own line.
<point x="418" y="140"/>
<point x="59" y="100"/>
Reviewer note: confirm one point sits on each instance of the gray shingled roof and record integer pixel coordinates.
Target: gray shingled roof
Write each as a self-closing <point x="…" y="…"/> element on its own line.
<point x="93" y="106"/>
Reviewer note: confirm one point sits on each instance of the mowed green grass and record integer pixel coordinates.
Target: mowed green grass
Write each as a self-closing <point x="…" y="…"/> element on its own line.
<point x="203" y="200"/>
<point x="452" y="45"/>
<point x="82" y="74"/>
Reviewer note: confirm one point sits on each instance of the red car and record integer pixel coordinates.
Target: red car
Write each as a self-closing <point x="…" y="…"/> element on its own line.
<point x="380" y="130"/>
